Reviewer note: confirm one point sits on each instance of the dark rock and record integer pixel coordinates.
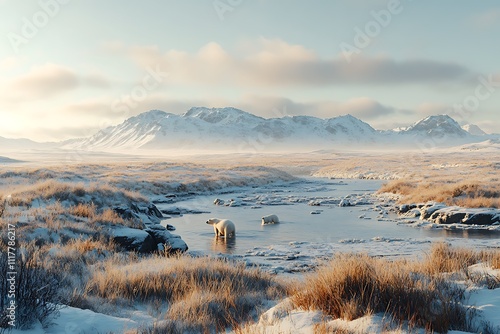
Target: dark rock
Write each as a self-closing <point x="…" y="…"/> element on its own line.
<point x="427" y="211"/>
<point x="459" y="215"/>
<point x="172" y="211"/>
<point x="345" y="202"/>
<point x="131" y="239"/>
<point x="147" y="214"/>
<point x="161" y="227"/>
<point x="124" y="212"/>
<point x="405" y="208"/>
<point x="168" y="241"/>
<point x="481" y="218"/>
<point x="449" y="217"/>
<point x="149" y="210"/>
<point x="219" y="201"/>
<point x="176" y="211"/>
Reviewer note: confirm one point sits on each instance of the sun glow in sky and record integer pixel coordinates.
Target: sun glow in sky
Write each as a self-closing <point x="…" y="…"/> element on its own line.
<point x="69" y="68"/>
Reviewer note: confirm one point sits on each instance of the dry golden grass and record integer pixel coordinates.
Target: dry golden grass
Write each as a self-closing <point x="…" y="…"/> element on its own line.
<point x="204" y="294"/>
<point x="472" y="194"/>
<point x="145" y="177"/>
<point x="83" y="210"/>
<point x="83" y="246"/>
<point x="493" y="259"/>
<point x="468" y="179"/>
<point x="354" y="285"/>
<point x="73" y="192"/>
<point x="110" y="217"/>
<point x="445" y="259"/>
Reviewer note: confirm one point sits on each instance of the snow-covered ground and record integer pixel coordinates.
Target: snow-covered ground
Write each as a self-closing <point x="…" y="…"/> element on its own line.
<point x="281" y="317"/>
<point x="284" y="318"/>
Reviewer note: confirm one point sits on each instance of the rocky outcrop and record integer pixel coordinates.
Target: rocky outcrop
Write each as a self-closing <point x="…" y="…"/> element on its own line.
<point x="154" y="237"/>
<point x="345" y="202"/>
<point x="148" y="214"/>
<point x="131" y="239"/>
<point x="491" y="217"/>
<point x="439" y="213"/>
<point x="166" y="241"/>
<point x="178" y="211"/>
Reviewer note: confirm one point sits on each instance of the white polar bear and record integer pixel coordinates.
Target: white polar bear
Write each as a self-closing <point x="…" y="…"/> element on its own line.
<point x="222" y="227"/>
<point x="270" y="219"/>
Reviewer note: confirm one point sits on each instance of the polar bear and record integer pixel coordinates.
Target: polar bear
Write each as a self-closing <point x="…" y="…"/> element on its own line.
<point x="222" y="227"/>
<point x="270" y="219"/>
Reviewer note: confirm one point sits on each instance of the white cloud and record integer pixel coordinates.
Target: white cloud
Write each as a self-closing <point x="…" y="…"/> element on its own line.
<point x="43" y="82"/>
<point x="47" y="81"/>
<point x="275" y="63"/>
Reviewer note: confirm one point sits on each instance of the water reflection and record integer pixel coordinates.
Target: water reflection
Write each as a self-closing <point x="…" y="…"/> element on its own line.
<point x="223" y="245"/>
<point x="471" y="233"/>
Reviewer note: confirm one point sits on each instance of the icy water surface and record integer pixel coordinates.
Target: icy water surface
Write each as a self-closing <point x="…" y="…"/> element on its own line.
<point x="333" y="225"/>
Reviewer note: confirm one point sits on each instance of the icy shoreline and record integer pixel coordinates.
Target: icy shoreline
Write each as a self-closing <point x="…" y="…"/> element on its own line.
<point x="298" y="256"/>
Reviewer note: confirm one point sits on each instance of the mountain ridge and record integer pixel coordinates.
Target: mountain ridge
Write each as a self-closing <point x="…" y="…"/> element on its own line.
<point x="230" y="128"/>
<point x="233" y="129"/>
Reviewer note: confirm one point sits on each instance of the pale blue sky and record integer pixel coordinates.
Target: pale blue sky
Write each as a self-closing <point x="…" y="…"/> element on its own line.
<point x="87" y="64"/>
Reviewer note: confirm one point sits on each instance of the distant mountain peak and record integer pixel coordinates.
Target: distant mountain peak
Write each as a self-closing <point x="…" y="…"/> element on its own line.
<point x="155" y="113"/>
<point x="220" y="115"/>
<point x="473" y="130"/>
<point x="437" y="126"/>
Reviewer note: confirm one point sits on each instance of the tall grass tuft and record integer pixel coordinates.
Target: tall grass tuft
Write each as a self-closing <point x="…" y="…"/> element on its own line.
<point x="36" y="289"/>
<point x="354" y="285"/>
<point x="204" y="294"/>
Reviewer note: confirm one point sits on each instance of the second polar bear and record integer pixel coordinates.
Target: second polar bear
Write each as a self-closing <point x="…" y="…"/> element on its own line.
<point x="270" y="219"/>
<point x="222" y="227"/>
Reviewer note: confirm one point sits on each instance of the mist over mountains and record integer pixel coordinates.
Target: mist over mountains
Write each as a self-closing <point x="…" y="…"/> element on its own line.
<point x="231" y="129"/>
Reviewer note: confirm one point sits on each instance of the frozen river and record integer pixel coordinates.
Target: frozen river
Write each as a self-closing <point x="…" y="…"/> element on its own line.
<point x="366" y="226"/>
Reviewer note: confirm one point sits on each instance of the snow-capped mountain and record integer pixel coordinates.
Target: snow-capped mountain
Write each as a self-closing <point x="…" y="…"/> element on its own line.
<point x="438" y="126"/>
<point x="223" y="116"/>
<point x="473" y="130"/>
<point x="231" y="129"/>
<point x="224" y="128"/>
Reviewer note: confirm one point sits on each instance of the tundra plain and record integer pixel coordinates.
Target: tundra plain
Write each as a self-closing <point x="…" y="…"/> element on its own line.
<point x="73" y="267"/>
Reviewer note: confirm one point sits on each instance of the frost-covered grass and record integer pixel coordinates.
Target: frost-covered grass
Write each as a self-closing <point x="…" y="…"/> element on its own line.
<point x="203" y="294"/>
<point x="72" y="192"/>
<point x="36" y="289"/>
<point x="145" y="178"/>
<point x="412" y="165"/>
<point x="472" y="194"/>
<point x="419" y="293"/>
<point x="467" y="179"/>
<point x="66" y="212"/>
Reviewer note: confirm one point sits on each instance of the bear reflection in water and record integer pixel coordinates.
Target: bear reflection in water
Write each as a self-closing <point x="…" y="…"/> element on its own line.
<point x="223" y="245"/>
